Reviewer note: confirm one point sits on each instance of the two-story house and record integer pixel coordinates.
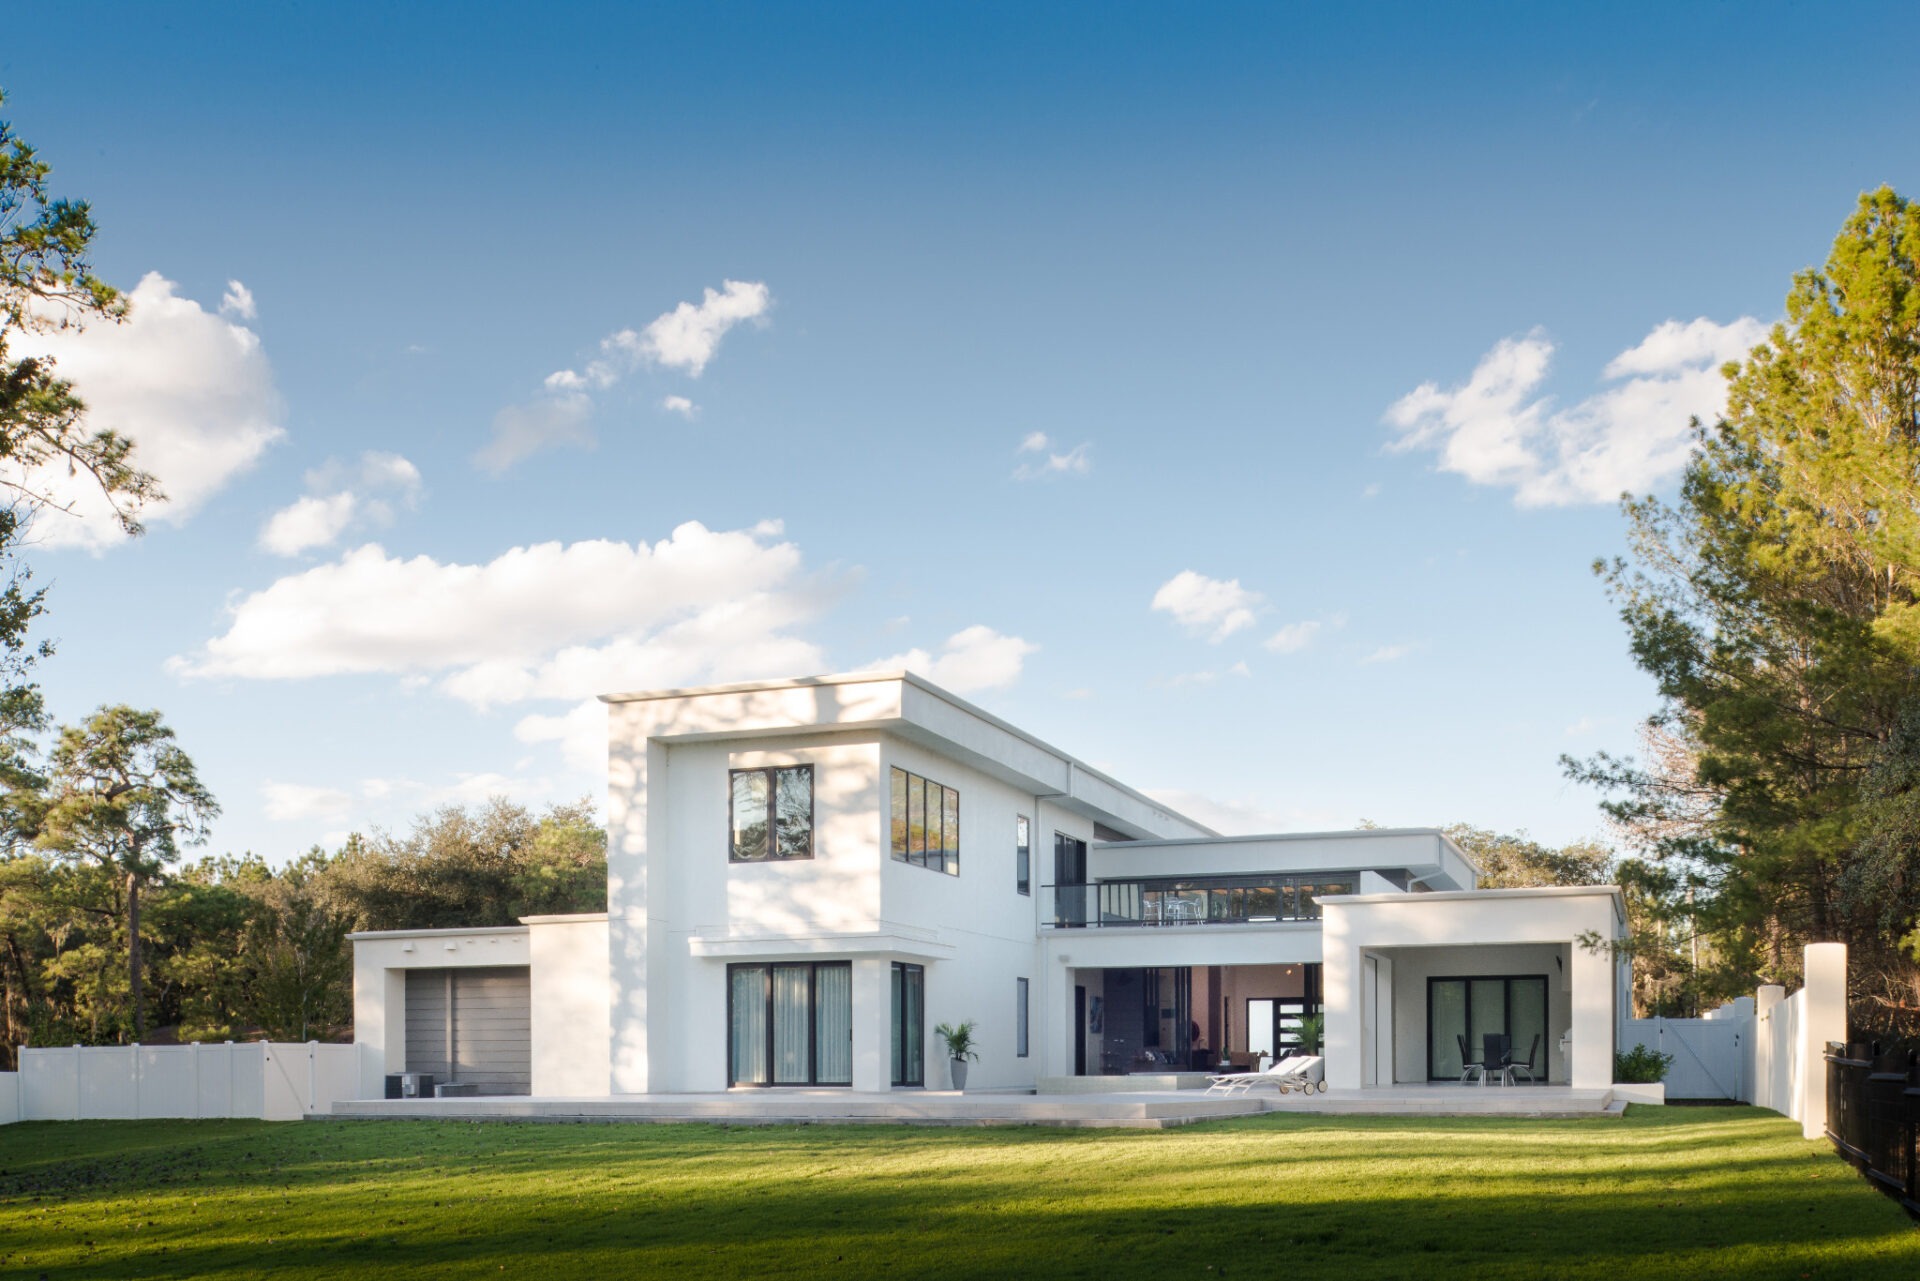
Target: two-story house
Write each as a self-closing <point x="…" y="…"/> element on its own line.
<point x="805" y="877"/>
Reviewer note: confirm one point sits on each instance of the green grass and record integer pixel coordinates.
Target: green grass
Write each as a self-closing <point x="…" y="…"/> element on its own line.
<point x="1677" y="1192"/>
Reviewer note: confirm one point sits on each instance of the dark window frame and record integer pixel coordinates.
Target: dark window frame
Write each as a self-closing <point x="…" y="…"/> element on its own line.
<point x="1023" y="855"/>
<point x="1023" y="1004"/>
<point x="901" y="833"/>
<point x="813" y="1080"/>
<point x="1546" y="1009"/>
<point x="773" y="854"/>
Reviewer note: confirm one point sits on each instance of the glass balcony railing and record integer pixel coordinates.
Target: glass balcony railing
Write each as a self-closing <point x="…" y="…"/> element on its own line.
<point x="1212" y="900"/>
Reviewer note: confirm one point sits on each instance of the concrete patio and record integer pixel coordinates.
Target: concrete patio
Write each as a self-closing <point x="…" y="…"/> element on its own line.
<point x="1154" y="1109"/>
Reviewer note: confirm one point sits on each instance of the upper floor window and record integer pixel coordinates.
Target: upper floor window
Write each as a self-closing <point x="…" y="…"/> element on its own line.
<point x="926" y="823"/>
<point x="772" y="813"/>
<point x="1023" y="855"/>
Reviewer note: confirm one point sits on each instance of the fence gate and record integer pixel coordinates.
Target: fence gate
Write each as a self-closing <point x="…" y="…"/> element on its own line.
<point x="1708" y="1060"/>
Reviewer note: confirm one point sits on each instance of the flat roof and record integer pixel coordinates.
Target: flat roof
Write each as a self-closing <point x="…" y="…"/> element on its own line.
<point x="1343" y="833"/>
<point x="922" y="683"/>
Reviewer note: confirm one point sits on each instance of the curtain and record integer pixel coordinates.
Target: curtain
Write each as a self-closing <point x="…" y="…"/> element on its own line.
<point x="833" y="1023"/>
<point x="747" y="1004"/>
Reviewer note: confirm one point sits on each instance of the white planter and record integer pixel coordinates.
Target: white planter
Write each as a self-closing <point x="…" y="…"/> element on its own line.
<point x="1655" y="1094"/>
<point x="959" y="1069"/>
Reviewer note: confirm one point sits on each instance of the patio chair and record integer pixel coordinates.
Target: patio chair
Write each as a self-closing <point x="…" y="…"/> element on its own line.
<point x="1526" y="1064"/>
<point x="1498" y="1055"/>
<point x="1468" y="1065"/>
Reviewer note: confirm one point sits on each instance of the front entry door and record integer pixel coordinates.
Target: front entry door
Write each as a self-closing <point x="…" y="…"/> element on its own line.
<point x="1466" y="1009"/>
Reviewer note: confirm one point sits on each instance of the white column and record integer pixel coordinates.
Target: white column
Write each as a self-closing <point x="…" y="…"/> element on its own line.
<point x="1592" y="1024"/>
<point x="1340" y="977"/>
<point x="1824" y="1019"/>
<point x="872" y="1023"/>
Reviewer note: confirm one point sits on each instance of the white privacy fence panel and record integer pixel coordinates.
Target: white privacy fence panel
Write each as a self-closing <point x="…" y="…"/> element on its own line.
<point x="1780" y="1060"/>
<point x="273" y="1081"/>
<point x="1709" y="1055"/>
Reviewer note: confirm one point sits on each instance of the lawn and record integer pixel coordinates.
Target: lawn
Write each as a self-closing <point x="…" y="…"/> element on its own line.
<point x="1676" y="1192"/>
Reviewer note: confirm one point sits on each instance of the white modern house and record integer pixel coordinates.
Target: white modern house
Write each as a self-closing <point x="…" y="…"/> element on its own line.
<point x="806" y="876"/>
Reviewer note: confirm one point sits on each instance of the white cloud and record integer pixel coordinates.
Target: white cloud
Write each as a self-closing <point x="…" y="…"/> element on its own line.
<point x="687" y="337"/>
<point x="342" y="495"/>
<point x="520" y="431"/>
<point x="1496" y="429"/>
<point x="1077" y="461"/>
<point x="238" y="301"/>
<point x="1389" y="653"/>
<point x="1294" y="637"/>
<point x="307" y="523"/>
<point x="581" y="734"/>
<point x="1216" y="607"/>
<point x="193" y="392"/>
<point x="301" y="803"/>
<point x="547" y="621"/>
<point x="974" y="658"/>
<point x="1208" y="677"/>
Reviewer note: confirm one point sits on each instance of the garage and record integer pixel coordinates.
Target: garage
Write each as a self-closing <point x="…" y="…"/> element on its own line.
<point x="472" y="1025"/>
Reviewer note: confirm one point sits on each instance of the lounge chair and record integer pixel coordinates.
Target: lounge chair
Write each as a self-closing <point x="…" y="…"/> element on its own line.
<point x="1305" y="1073"/>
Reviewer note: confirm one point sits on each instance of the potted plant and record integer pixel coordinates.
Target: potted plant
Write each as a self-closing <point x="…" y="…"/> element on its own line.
<point x="959" y="1043"/>
<point x="1312" y="1028"/>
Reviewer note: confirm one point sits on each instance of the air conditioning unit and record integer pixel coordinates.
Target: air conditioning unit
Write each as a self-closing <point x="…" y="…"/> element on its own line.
<point x="416" y="1085"/>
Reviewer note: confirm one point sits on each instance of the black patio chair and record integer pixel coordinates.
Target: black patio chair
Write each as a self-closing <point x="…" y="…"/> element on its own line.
<point x="1467" y="1065"/>
<point x="1498" y="1055"/>
<point x="1526" y="1064"/>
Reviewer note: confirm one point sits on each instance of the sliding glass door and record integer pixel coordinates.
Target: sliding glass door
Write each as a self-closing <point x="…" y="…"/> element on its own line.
<point x="790" y="1024"/>
<point x="1462" y="1011"/>
<point x="909" y="1024"/>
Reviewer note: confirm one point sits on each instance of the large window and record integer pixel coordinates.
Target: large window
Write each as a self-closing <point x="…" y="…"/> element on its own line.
<point x="1023" y="855"/>
<point x="926" y="823"/>
<point x="790" y="1024"/>
<point x="1461" y="1012"/>
<point x="772" y="813"/>
<point x="909" y="1024"/>
<point x="1020" y="1019"/>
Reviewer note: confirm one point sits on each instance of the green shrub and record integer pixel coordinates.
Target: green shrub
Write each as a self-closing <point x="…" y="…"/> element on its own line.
<point x="1641" y="1066"/>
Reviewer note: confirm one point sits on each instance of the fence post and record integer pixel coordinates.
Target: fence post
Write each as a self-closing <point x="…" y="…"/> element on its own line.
<point x="229" y="1112"/>
<point x="78" y="1085"/>
<point x="1825" y="1017"/>
<point x="313" y="1052"/>
<point x="193" y="1057"/>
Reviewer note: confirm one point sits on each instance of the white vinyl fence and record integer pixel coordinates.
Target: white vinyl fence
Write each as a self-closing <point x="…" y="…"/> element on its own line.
<point x="1767" y="1051"/>
<point x="267" y="1080"/>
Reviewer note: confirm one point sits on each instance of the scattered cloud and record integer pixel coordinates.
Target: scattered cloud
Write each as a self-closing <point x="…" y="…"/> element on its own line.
<point x="1208" y="677"/>
<point x="1582" y="727"/>
<point x="341" y="495"/>
<point x="1077" y="461"/>
<point x="560" y="621"/>
<point x="301" y="803"/>
<point x="1497" y="429"/>
<point x="194" y="392"/>
<point x="975" y="658"/>
<point x="581" y="734"/>
<point x="1216" y="608"/>
<point x="1390" y="653"/>
<point x="520" y="431"/>
<point x="684" y="339"/>
<point x="1294" y="637"/>
<point x="238" y="301"/>
<point x="1371" y="491"/>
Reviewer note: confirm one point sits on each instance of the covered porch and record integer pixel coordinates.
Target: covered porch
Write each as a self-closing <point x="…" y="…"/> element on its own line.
<point x="1416" y="984"/>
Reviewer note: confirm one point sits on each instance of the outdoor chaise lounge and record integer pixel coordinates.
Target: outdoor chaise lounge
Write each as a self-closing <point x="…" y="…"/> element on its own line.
<point x="1305" y="1073"/>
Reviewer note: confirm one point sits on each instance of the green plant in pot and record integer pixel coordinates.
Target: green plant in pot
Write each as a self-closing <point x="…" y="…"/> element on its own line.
<point x="1312" y="1028"/>
<point x="960" y="1051"/>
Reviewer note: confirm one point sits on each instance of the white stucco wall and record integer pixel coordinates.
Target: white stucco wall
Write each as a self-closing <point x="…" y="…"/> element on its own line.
<point x="569" y="992"/>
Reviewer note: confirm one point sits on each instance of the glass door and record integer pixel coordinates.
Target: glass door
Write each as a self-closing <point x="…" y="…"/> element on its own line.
<point x="790" y="1024"/>
<point x="1069" y="880"/>
<point x="909" y="1024"/>
<point x="1463" y="1011"/>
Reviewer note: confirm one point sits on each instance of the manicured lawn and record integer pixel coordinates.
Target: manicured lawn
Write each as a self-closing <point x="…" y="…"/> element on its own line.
<point x="1725" y="1192"/>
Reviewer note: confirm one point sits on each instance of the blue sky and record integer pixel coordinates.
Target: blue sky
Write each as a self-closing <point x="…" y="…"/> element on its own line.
<point x="591" y="347"/>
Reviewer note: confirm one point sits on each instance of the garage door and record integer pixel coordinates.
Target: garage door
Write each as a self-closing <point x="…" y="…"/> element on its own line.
<point x="472" y="1026"/>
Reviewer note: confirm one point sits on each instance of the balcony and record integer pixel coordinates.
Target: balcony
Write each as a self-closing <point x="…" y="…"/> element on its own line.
<point x="1195" y="900"/>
